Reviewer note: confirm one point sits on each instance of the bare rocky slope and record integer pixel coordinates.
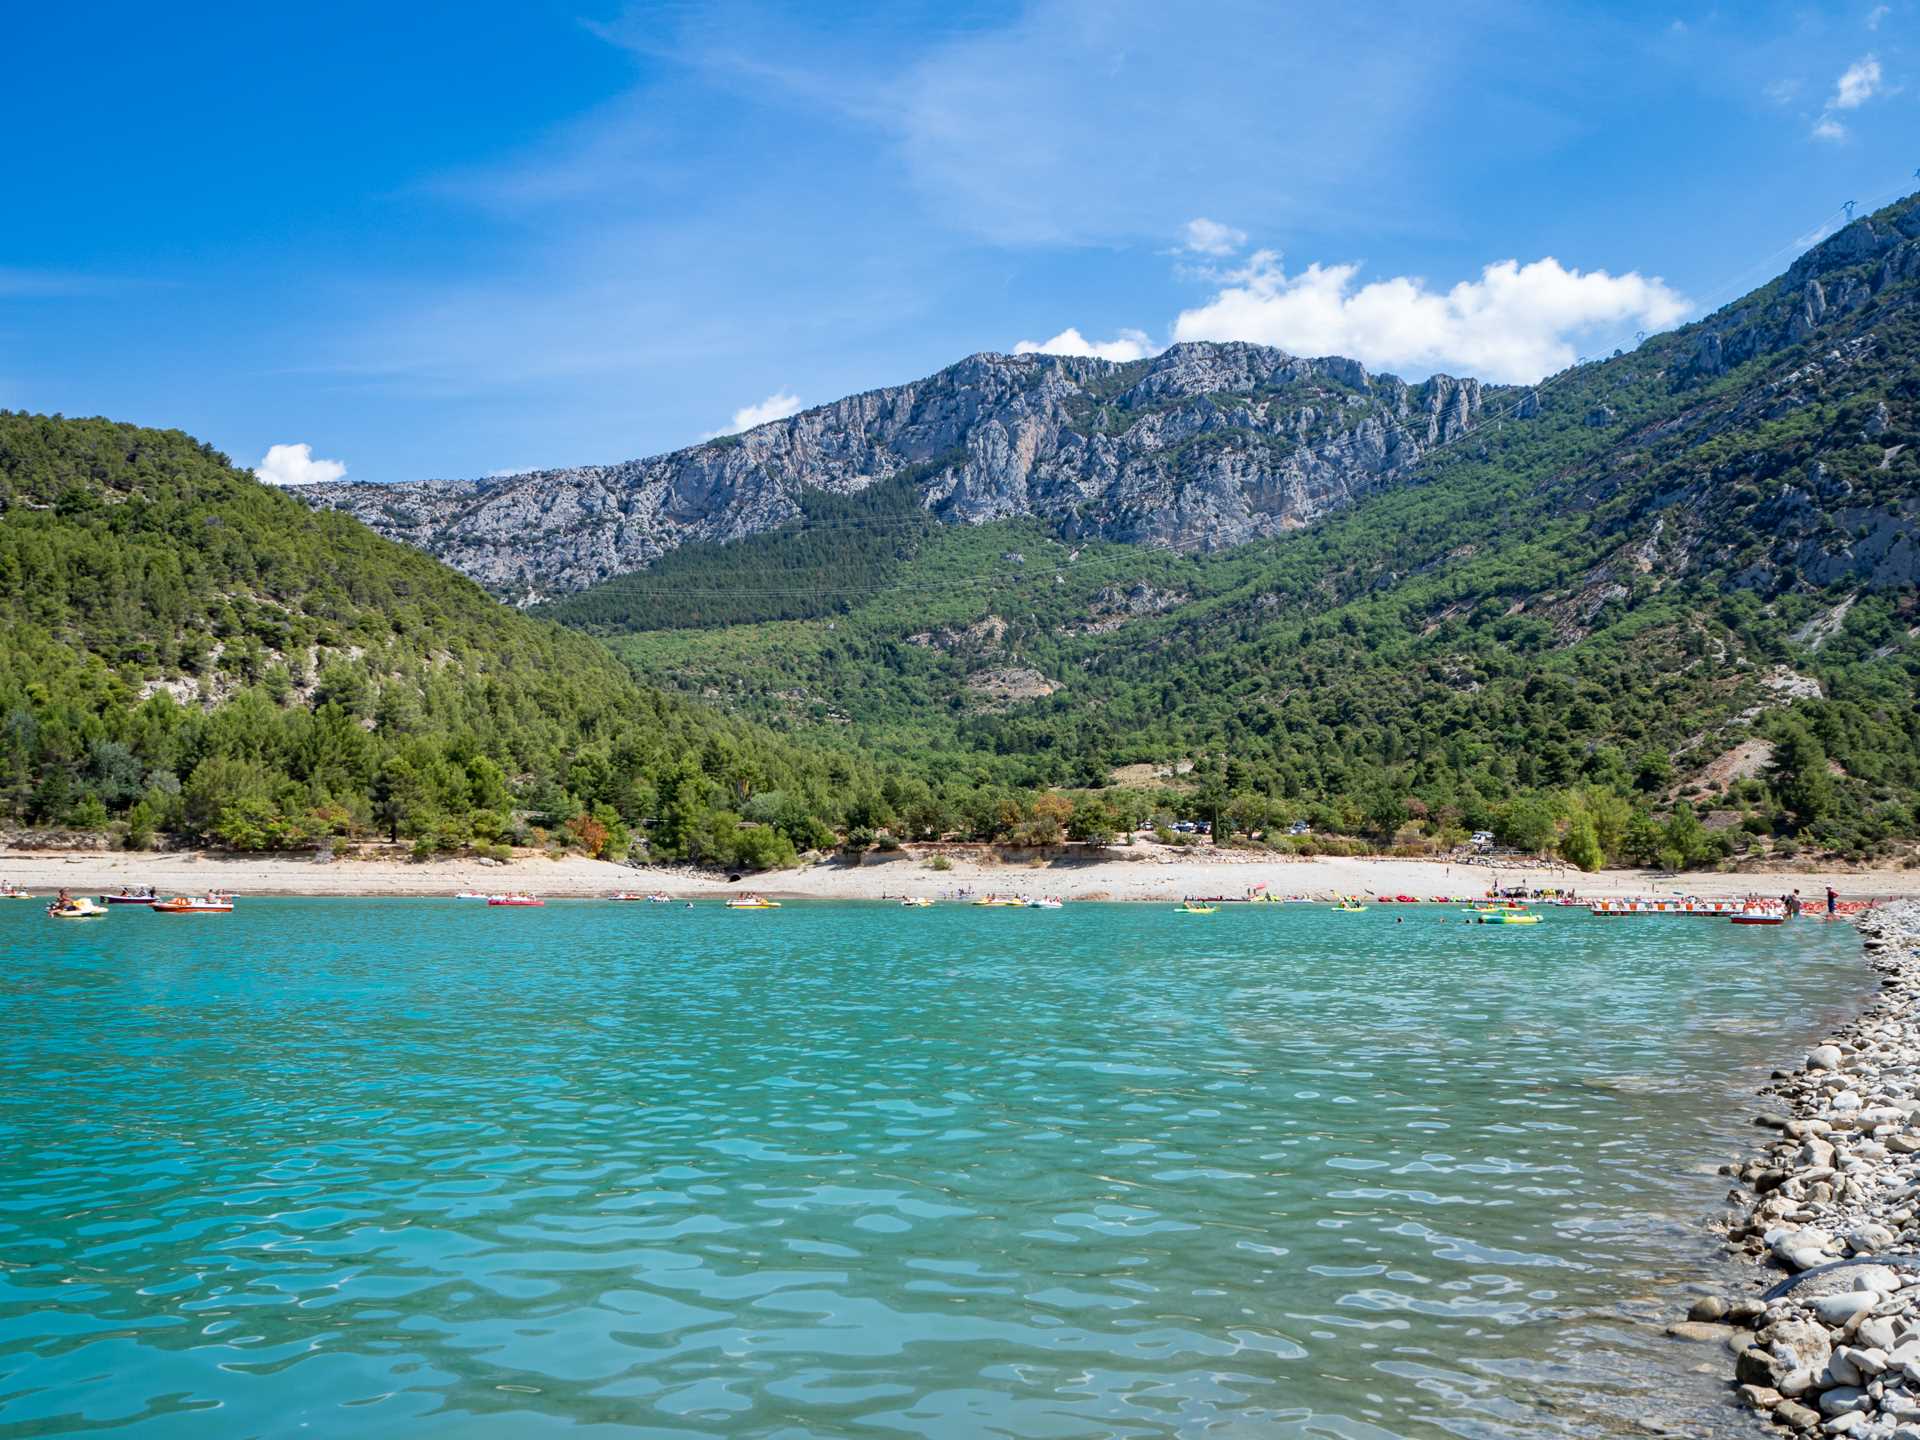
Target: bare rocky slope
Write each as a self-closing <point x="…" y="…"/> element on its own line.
<point x="1202" y="447"/>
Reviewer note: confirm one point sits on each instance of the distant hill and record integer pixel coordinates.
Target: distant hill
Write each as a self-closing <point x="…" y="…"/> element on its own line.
<point x="1680" y="573"/>
<point x="1201" y="447"/>
<point x="1209" y="446"/>
<point x="187" y="650"/>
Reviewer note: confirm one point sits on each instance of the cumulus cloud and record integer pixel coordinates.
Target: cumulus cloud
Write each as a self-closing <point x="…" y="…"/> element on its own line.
<point x="295" y="465"/>
<point x="1209" y="237"/>
<point x="777" y="406"/>
<point x="1515" y="323"/>
<point x="1858" y="83"/>
<point x="1127" y="345"/>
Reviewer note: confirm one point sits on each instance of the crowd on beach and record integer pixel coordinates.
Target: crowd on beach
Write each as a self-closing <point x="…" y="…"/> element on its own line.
<point x="1791" y="902"/>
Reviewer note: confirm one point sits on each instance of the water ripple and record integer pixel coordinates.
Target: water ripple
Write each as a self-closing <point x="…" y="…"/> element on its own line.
<point x="417" y="1168"/>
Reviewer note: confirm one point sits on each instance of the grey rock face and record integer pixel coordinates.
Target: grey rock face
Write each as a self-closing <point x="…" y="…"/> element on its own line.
<point x="1802" y="302"/>
<point x="1203" y="446"/>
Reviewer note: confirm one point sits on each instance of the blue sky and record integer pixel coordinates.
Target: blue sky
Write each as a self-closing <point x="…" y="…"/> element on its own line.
<point x="502" y="236"/>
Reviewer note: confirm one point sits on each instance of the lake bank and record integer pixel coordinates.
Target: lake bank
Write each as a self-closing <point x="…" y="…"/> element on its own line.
<point x="1145" y="873"/>
<point x="1827" y="1211"/>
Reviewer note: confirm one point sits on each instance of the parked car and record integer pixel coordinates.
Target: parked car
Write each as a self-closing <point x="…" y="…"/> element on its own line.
<point x="1483" y="838"/>
<point x="1299" y="827"/>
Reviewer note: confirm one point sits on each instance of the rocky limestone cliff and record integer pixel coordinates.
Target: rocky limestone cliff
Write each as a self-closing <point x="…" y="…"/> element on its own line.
<point x="1775" y="432"/>
<point x="1841" y="275"/>
<point x="1203" y="446"/>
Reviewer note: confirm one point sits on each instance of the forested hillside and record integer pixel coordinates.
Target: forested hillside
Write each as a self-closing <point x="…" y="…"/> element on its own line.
<point x="187" y="651"/>
<point x="1660" y="608"/>
<point x="1681" y="579"/>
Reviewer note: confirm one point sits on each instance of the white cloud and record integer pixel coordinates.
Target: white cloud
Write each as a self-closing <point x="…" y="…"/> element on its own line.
<point x="1209" y="237"/>
<point x="1034" y="132"/>
<point x="777" y="406"/>
<point x="1515" y="323"/>
<point x="1782" y="91"/>
<point x="22" y="284"/>
<point x="1876" y="15"/>
<point x="1127" y="345"/>
<point x="295" y="465"/>
<point x="1858" y="83"/>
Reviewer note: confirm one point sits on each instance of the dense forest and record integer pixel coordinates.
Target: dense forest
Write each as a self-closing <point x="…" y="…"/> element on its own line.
<point x="845" y="547"/>
<point x="188" y="652"/>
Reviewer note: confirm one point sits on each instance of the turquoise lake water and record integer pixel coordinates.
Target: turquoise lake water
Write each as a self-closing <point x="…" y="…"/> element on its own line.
<point x="422" y="1168"/>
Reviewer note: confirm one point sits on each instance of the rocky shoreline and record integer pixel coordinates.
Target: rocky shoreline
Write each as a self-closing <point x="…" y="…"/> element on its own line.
<point x="1831" y="1209"/>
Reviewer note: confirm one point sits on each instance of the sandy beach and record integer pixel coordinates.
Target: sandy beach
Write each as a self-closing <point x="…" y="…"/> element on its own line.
<point x="1142" y="872"/>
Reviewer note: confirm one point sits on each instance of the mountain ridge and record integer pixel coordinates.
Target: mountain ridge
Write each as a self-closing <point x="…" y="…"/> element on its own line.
<point x="1203" y="446"/>
<point x="1708" y="543"/>
<point x="1680" y="579"/>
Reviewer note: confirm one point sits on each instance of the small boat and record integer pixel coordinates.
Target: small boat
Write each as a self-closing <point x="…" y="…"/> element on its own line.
<point x="752" y="902"/>
<point x="1265" y="897"/>
<point x="1194" y="907"/>
<point x="659" y="897"/>
<point x="1047" y="902"/>
<point x="515" y="901"/>
<point x="11" y="891"/>
<point x="1759" y="917"/>
<point x="474" y="894"/>
<point x="217" y="904"/>
<point x="1349" y="906"/>
<point x="80" y="908"/>
<point x="1509" y="917"/>
<point x="629" y="895"/>
<point x="916" y="902"/>
<point x="1001" y="902"/>
<point x="127" y="897"/>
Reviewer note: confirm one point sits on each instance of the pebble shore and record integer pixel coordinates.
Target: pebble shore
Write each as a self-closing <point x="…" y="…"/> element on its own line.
<point x="1829" y="1343"/>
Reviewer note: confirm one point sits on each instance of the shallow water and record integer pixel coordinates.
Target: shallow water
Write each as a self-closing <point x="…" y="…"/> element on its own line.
<point x="424" y="1168"/>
